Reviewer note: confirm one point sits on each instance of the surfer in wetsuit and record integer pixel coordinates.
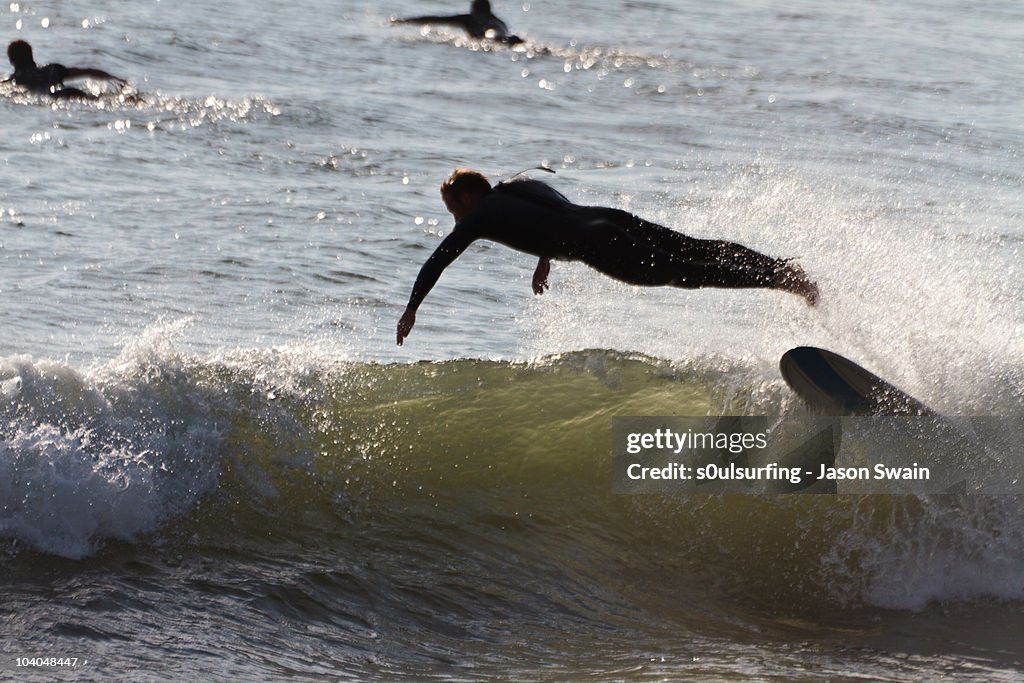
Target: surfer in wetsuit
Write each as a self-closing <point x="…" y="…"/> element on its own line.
<point x="49" y="79"/>
<point x="479" y="23"/>
<point x="533" y="217"/>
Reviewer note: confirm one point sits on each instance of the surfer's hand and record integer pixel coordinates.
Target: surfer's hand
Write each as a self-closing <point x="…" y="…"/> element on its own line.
<point x="540" y="276"/>
<point x="405" y="324"/>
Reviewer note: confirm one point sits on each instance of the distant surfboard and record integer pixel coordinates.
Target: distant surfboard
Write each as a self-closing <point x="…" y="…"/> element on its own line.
<point x="837" y="386"/>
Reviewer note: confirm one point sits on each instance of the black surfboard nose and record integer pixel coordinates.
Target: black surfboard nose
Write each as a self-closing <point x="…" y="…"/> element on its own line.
<point x="836" y="385"/>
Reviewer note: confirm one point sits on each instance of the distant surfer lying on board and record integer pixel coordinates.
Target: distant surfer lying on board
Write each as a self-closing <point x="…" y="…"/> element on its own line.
<point x="479" y="23"/>
<point x="532" y="217"/>
<point x="49" y="79"/>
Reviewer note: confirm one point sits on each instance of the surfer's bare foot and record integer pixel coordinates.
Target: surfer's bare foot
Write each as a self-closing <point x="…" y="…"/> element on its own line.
<point x="809" y="291"/>
<point x="793" y="279"/>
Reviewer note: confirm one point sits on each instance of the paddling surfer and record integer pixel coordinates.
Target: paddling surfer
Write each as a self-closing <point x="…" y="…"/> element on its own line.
<point x="49" y="79"/>
<point x="479" y="23"/>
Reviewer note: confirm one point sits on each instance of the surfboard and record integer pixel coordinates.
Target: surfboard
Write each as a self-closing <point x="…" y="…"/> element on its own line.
<point x="835" y="385"/>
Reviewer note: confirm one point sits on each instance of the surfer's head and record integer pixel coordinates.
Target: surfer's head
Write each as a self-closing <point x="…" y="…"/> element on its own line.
<point x="462" y="190"/>
<point x="480" y="7"/>
<point x="20" y="54"/>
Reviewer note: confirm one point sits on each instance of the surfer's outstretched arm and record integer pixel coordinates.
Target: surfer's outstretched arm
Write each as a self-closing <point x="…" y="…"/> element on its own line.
<point x="460" y="20"/>
<point x="77" y="72"/>
<point x="446" y="252"/>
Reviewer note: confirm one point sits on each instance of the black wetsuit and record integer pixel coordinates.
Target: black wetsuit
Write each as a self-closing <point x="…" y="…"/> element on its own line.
<point x="47" y="80"/>
<point x="532" y="217"/>
<point x="479" y="23"/>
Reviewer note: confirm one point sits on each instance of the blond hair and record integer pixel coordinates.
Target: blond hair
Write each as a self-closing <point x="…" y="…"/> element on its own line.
<point x="464" y="180"/>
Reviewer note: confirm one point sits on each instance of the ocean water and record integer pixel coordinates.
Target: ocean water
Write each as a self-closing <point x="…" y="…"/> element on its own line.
<point x="216" y="464"/>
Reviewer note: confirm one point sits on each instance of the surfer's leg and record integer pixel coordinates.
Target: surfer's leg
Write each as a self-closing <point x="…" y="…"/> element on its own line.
<point x="67" y="93"/>
<point x="631" y="256"/>
<point x="686" y="248"/>
<point x="745" y="264"/>
<point x="790" y="277"/>
<point x="779" y="275"/>
<point x="619" y="254"/>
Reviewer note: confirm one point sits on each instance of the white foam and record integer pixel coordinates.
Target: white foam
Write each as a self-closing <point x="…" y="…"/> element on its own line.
<point x="933" y="550"/>
<point x="926" y="307"/>
<point x="111" y="453"/>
